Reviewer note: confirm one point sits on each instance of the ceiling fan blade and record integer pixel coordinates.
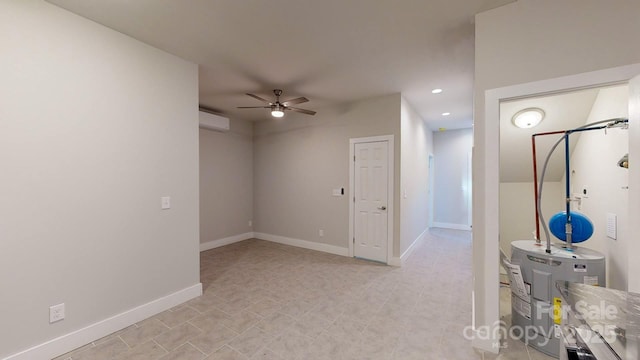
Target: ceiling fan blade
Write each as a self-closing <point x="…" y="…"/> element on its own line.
<point x="299" y="100"/>
<point x="254" y="107"/>
<point x="259" y="98"/>
<point x="304" y="111"/>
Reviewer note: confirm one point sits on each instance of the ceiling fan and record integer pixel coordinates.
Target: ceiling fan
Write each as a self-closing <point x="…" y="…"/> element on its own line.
<point x="278" y="108"/>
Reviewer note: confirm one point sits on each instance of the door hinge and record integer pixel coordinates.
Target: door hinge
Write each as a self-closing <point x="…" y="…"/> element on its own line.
<point x="354" y="158"/>
<point x="354" y="199"/>
<point x="354" y="239"/>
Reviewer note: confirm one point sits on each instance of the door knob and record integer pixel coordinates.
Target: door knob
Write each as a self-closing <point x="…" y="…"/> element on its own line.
<point x="382" y="207"/>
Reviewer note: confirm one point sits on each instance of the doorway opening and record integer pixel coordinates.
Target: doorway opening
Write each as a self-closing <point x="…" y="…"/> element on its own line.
<point x="486" y="287"/>
<point x="593" y="165"/>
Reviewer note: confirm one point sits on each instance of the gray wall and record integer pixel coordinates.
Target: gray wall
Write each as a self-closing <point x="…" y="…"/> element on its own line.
<point x="451" y="190"/>
<point x="94" y="128"/>
<point x="297" y="162"/>
<point x="517" y="210"/>
<point x="226" y="181"/>
<point x="532" y="40"/>
<point x="416" y="144"/>
<point x="300" y="159"/>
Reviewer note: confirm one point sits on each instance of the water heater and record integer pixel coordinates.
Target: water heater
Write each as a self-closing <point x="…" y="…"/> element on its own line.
<point x="536" y="310"/>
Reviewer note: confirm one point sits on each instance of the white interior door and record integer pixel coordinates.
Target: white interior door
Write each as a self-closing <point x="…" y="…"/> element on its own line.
<point x="370" y="204"/>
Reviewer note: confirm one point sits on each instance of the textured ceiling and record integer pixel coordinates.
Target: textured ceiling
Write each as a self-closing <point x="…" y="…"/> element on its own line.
<point x="330" y="51"/>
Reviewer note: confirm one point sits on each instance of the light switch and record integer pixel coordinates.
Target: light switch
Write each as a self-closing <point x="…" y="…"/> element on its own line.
<point x="165" y="202"/>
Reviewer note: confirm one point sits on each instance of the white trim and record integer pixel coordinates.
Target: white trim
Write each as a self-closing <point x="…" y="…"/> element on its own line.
<point x="331" y="249"/>
<point x="470" y="189"/>
<point x="490" y="251"/>
<point x="225" y="241"/>
<point x="480" y="341"/>
<point x="400" y="261"/>
<point x="633" y="248"/>
<point x="395" y="261"/>
<point x="75" y="339"/>
<point x="390" y="191"/>
<point x="451" y="226"/>
<point x="431" y="165"/>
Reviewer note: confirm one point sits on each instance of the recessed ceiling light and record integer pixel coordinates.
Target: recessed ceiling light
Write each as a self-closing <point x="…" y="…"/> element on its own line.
<point x="436" y="91"/>
<point x="528" y="118"/>
<point x="446" y="113"/>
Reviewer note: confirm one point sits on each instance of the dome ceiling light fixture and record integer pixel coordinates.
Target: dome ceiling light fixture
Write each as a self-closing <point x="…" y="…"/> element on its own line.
<point x="528" y="118"/>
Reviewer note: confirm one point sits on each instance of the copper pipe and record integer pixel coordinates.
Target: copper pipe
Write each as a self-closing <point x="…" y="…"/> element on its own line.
<point x="535" y="177"/>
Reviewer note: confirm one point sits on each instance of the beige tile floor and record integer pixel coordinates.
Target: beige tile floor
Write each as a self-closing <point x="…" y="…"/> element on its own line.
<point x="269" y="301"/>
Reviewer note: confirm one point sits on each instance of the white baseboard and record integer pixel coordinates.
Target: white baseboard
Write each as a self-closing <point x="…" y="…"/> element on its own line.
<point x="395" y="261"/>
<point x="400" y="261"/>
<point x="416" y="243"/>
<point x="451" y="226"/>
<point x="95" y="331"/>
<point x="487" y="345"/>
<point x="225" y="241"/>
<point x="332" y="249"/>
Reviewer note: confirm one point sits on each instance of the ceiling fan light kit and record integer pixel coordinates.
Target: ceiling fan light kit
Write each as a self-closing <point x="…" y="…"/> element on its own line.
<point x="278" y="108"/>
<point x="277" y="111"/>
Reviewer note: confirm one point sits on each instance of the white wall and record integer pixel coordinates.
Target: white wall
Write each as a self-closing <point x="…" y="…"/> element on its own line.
<point x="518" y="210"/>
<point x="526" y="41"/>
<point x="451" y="192"/>
<point x="226" y="181"/>
<point x="94" y="128"/>
<point x="417" y="144"/>
<point x="594" y="166"/>
<point x="299" y="159"/>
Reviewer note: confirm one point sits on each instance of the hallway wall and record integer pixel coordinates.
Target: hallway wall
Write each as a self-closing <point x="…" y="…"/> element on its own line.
<point x="95" y="128"/>
<point x="452" y="192"/>
<point x="226" y="182"/>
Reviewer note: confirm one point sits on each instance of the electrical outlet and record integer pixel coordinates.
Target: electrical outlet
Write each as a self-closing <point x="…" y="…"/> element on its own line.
<point x="250" y="223"/>
<point x="56" y="313"/>
<point x="321" y="233"/>
<point x="165" y="202"/>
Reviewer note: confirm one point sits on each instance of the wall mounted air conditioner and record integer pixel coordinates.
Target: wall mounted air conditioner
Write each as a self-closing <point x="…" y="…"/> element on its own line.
<point x="214" y="122"/>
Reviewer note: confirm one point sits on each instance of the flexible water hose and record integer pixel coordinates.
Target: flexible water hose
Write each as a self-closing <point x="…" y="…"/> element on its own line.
<point x="612" y="122"/>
